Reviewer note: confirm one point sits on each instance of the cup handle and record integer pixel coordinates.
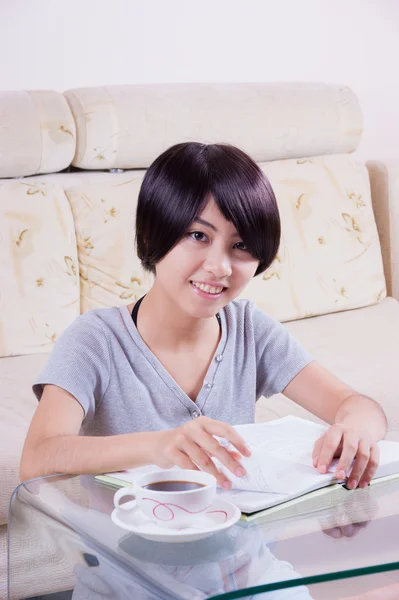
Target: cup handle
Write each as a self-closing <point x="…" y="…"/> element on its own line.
<point x="121" y="493"/>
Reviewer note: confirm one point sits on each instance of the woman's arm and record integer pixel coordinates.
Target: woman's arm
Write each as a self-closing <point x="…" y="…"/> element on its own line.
<point x="53" y="444"/>
<point x="358" y="422"/>
<point x="332" y="400"/>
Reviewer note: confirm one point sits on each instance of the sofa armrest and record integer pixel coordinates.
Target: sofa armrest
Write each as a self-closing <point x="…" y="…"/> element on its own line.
<point x="384" y="181"/>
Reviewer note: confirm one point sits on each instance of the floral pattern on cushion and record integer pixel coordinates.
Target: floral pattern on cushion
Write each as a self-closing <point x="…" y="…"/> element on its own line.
<point x="329" y="257"/>
<point x="104" y="214"/>
<point x="39" y="295"/>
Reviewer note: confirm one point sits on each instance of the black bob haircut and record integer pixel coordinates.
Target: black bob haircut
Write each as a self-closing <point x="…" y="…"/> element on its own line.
<point x="177" y="186"/>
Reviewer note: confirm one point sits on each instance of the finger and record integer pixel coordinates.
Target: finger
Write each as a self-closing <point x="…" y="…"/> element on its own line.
<point x="349" y="530"/>
<point x="361" y="462"/>
<point x="330" y="444"/>
<point x="349" y="451"/>
<point x="213" y="448"/>
<point x="334" y="532"/>
<point x="180" y="459"/>
<point x="197" y="455"/>
<point x="316" y="449"/>
<point x="226" y="431"/>
<point x="372" y="466"/>
<point x="236" y="455"/>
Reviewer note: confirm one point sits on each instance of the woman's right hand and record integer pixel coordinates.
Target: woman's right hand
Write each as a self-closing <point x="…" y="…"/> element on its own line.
<point x="192" y="446"/>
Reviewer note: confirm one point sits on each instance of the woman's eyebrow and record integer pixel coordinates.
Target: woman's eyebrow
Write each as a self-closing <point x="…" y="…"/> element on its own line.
<point x="206" y="223"/>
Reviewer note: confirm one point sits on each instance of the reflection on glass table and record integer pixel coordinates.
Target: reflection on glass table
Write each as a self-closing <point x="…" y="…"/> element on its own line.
<point x="61" y="537"/>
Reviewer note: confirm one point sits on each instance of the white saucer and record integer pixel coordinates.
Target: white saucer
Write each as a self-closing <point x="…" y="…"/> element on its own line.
<point x="219" y="517"/>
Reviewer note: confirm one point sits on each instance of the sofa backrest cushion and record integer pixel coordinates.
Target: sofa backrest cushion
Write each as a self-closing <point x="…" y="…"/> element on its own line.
<point x="39" y="294"/>
<point x="330" y="256"/>
<point x="104" y="211"/>
<point x="37" y="133"/>
<point x="67" y="239"/>
<point x="129" y="126"/>
<point x="55" y="227"/>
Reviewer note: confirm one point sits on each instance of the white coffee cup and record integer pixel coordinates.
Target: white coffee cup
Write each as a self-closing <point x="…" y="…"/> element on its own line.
<point x="171" y="509"/>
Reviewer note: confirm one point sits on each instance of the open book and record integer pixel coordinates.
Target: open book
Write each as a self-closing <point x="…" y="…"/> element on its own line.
<point x="280" y="467"/>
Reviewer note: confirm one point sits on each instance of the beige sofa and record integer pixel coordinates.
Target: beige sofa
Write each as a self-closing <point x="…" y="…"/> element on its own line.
<point x="71" y="167"/>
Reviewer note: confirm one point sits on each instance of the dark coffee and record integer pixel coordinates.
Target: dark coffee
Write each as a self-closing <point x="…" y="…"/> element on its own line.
<point x="173" y="486"/>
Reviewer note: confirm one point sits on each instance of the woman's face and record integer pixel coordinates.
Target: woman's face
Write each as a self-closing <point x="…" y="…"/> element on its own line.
<point x="209" y="267"/>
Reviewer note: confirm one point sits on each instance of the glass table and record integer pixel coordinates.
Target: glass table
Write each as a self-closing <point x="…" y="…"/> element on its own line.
<point x="343" y="544"/>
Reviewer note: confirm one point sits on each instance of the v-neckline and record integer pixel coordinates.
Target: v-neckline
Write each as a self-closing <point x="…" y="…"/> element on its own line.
<point x="164" y="373"/>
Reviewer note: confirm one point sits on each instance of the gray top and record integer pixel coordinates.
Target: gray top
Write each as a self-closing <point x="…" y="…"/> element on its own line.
<point x="102" y="360"/>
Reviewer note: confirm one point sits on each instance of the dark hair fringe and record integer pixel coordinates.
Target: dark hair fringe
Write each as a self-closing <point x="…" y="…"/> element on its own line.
<point x="177" y="186"/>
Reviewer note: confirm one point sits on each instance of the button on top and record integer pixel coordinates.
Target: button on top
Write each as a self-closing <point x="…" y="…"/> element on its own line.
<point x="219" y="357"/>
<point x="196" y="414"/>
<point x="209" y="385"/>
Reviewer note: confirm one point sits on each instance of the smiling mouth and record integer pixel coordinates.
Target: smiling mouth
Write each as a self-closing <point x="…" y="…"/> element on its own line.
<point x="208" y="289"/>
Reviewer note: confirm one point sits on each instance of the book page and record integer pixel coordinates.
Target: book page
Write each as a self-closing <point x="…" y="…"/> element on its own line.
<point x="281" y="463"/>
<point x="389" y="452"/>
<point x="266" y="473"/>
<point x="289" y="438"/>
<point x="281" y="460"/>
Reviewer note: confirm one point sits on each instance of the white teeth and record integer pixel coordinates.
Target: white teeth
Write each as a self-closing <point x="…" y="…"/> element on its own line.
<point x="207" y="288"/>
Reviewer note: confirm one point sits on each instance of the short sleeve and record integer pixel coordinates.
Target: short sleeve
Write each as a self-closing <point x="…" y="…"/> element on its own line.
<point x="279" y="356"/>
<point x="79" y="363"/>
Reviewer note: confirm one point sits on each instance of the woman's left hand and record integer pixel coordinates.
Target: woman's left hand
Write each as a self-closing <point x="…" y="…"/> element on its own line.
<point x="348" y="444"/>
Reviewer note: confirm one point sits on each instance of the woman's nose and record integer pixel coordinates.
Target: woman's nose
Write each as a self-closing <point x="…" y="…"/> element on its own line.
<point x="218" y="264"/>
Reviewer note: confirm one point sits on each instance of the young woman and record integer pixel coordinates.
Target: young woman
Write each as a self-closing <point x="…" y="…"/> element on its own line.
<point x="154" y="382"/>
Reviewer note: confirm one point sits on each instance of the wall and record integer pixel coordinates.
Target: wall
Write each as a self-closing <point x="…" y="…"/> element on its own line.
<point x="61" y="44"/>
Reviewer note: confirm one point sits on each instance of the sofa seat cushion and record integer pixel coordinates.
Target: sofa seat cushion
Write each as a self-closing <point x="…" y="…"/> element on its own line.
<point x="17" y="405"/>
<point x="361" y="347"/>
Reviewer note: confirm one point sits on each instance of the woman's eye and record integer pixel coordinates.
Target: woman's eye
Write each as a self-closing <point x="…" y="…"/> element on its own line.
<point x="198" y="236"/>
<point x="241" y="246"/>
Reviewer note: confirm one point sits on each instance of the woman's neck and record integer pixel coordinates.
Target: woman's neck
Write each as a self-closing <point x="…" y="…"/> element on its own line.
<point x="160" y="319"/>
